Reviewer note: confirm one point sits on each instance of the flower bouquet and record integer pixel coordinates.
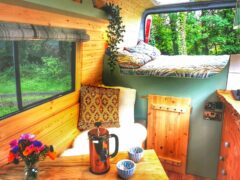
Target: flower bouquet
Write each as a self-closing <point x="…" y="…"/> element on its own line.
<point x="30" y="151"/>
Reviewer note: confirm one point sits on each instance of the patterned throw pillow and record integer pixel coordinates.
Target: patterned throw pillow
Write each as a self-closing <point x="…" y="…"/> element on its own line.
<point x="98" y="104"/>
<point x="132" y="60"/>
<point x="145" y="48"/>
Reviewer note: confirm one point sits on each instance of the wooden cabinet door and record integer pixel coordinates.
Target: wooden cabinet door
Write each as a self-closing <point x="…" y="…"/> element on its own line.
<point x="168" y="129"/>
<point x="229" y="159"/>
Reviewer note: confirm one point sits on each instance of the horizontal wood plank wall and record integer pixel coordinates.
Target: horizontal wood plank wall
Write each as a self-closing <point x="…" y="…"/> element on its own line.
<point x="55" y="122"/>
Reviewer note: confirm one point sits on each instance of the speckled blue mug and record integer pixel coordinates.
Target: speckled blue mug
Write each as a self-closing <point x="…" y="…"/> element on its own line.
<point x="125" y="168"/>
<point x="135" y="154"/>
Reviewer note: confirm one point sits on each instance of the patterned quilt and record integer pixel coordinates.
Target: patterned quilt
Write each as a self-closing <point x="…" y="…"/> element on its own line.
<point x="200" y="66"/>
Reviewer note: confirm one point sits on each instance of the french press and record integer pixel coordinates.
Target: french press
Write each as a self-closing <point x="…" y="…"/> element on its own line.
<point x="99" y="149"/>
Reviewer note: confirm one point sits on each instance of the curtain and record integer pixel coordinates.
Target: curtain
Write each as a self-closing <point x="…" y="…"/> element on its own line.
<point x="17" y="31"/>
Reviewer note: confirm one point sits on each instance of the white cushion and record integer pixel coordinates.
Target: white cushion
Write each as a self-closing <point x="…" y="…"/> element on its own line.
<point x="126" y="106"/>
<point x="129" y="136"/>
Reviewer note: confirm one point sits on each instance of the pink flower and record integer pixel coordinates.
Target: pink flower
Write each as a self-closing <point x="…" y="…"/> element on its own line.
<point x="39" y="149"/>
<point x="27" y="136"/>
<point x="13" y="143"/>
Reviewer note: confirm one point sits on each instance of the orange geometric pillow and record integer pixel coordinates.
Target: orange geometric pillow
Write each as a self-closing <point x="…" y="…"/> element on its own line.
<point x="98" y="104"/>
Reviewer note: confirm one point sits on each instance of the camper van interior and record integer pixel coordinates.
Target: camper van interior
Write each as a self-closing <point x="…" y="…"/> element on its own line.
<point x="119" y="89"/>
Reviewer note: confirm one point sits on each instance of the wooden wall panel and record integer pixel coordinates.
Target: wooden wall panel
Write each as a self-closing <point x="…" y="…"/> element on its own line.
<point x="168" y="129"/>
<point x="52" y="130"/>
<point x="229" y="166"/>
<point x="131" y="13"/>
<point x="55" y="122"/>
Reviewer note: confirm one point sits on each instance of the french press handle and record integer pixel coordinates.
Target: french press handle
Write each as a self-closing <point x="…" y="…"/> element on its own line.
<point x="116" y="145"/>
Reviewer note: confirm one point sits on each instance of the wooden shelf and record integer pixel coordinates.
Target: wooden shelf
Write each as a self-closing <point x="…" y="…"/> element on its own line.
<point x="233" y="105"/>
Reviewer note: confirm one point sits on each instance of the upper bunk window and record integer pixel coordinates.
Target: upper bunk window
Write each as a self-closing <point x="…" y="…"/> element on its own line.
<point x="194" y="30"/>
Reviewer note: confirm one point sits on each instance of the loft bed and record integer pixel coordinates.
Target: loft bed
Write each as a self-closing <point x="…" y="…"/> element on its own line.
<point x="146" y="60"/>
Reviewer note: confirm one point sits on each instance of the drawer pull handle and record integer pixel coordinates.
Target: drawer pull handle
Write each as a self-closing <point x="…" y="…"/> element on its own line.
<point x="221" y="158"/>
<point x="226" y="144"/>
<point x="224" y="172"/>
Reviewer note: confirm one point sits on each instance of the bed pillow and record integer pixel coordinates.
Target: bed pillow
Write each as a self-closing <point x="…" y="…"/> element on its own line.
<point x="98" y="104"/>
<point x="132" y="60"/>
<point x="145" y="48"/>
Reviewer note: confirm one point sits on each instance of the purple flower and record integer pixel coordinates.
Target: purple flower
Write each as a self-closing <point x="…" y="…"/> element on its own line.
<point x="15" y="150"/>
<point x="37" y="143"/>
<point x="13" y="143"/>
<point x="26" y="136"/>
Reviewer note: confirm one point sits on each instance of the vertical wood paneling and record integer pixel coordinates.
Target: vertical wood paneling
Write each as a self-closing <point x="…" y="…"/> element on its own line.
<point x="168" y="130"/>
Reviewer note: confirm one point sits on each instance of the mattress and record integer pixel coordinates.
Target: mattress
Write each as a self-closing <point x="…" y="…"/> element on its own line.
<point x="184" y="66"/>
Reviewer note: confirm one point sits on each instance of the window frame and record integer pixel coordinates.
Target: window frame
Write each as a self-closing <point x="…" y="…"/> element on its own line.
<point x="184" y="7"/>
<point x="20" y="106"/>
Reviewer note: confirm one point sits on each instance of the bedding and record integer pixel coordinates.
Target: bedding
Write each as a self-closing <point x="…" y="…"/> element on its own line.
<point x="144" y="48"/>
<point x="199" y="66"/>
<point x="132" y="60"/>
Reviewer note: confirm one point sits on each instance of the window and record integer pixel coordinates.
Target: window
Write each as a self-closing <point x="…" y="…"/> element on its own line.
<point x="33" y="72"/>
<point x="195" y="30"/>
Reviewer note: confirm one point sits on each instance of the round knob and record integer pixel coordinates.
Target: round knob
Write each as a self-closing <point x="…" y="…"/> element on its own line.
<point x="224" y="172"/>
<point x="226" y="144"/>
<point x="221" y="158"/>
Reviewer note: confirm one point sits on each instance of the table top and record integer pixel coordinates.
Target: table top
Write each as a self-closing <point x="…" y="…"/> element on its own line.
<point x="77" y="167"/>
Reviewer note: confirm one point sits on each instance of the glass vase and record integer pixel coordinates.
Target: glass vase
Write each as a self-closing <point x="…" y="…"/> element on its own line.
<point x="31" y="172"/>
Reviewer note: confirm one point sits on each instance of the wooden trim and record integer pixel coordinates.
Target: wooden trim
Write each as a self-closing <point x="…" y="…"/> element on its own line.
<point x="12" y="13"/>
<point x="78" y="69"/>
<point x="169" y="108"/>
<point x="170" y="161"/>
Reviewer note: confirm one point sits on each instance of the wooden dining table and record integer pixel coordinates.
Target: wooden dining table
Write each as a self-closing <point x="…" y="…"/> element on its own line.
<point x="77" y="167"/>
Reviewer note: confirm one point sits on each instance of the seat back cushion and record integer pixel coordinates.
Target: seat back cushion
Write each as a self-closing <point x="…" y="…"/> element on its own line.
<point x="126" y="106"/>
<point x="127" y="99"/>
<point x="98" y="104"/>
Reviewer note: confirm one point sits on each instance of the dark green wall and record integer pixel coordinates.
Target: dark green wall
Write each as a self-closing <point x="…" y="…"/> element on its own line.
<point x="204" y="142"/>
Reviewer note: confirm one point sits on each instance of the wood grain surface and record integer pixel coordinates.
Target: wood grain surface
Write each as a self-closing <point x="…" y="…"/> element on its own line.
<point x="229" y="166"/>
<point x="59" y="116"/>
<point x="168" y="129"/>
<point x="77" y="167"/>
